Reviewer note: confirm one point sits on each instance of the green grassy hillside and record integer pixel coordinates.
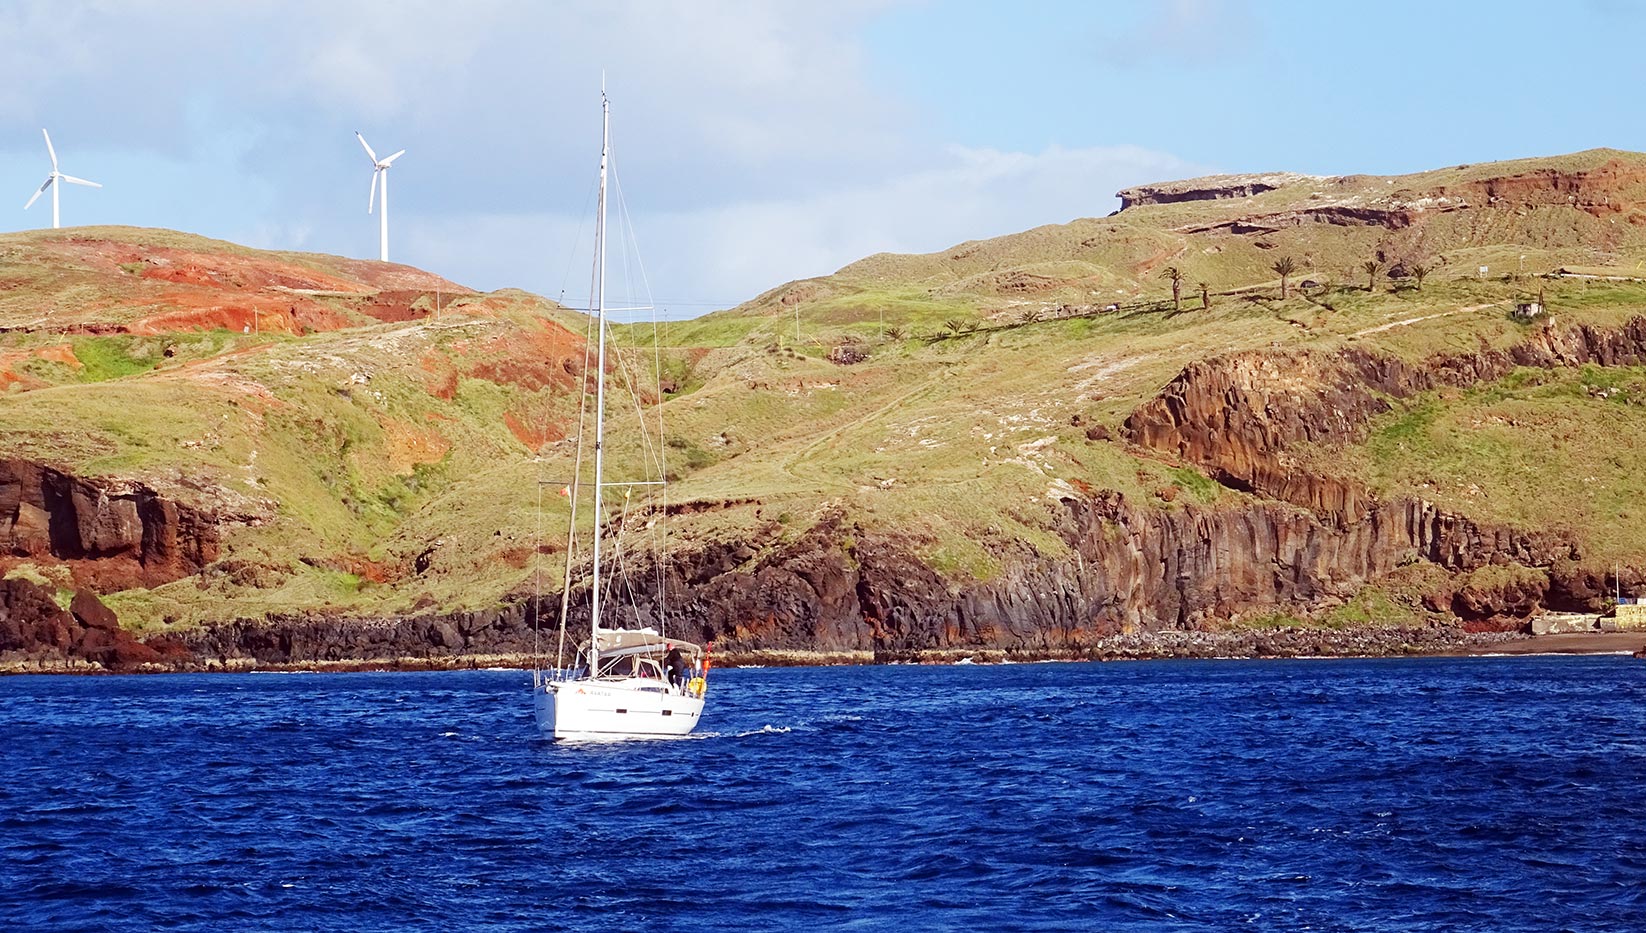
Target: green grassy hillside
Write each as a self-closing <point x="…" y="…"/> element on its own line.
<point x="369" y="455"/>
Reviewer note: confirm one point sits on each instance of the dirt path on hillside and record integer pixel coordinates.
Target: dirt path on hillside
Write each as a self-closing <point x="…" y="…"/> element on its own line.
<point x="1427" y="317"/>
<point x="789" y="463"/>
<point x="1142" y="269"/>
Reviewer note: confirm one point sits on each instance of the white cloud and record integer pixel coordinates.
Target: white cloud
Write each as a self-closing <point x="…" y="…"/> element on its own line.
<point x="754" y="144"/>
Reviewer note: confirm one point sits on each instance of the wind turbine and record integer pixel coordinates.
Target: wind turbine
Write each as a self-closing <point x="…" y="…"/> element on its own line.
<point x="52" y="182"/>
<point x="379" y="179"/>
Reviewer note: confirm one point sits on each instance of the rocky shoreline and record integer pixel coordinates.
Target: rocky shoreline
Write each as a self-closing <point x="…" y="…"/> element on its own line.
<point x="1276" y="643"/>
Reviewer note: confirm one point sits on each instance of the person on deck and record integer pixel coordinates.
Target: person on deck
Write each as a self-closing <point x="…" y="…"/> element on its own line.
<point x="675" y="661"/>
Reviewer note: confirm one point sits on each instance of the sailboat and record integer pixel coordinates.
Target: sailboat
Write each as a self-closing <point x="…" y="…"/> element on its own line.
<point x="625" y="683"/>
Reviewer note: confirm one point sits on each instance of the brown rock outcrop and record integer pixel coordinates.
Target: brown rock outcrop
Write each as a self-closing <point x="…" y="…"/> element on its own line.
<point x="1237" y="415"/>
<point x="38" y="634"/>
<point x="1614" y="187"/>
<point x="1208" y="188"/>
<point x="112" y="536"/>
<point x="1607" y="189"/>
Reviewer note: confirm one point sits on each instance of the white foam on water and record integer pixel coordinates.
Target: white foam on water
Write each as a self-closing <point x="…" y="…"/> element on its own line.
<point x="1548" y="654"/>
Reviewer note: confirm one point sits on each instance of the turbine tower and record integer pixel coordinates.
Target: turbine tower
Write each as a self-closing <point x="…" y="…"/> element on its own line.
<point x="379" y="179"/>
<point x="52" y="183"/>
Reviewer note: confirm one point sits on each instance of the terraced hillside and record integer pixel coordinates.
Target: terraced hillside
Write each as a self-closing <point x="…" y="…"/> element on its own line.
<point x="1020" y="445"/>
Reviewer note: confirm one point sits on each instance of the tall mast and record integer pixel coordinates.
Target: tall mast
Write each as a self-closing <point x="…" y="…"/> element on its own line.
<point x="600" y="378"/>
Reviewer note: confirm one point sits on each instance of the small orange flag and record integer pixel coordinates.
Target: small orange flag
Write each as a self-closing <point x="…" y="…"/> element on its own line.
<point x="566" y="491"/>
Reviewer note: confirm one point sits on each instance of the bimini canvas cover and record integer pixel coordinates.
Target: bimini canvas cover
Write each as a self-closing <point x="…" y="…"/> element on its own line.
<point x="639" y="641"/>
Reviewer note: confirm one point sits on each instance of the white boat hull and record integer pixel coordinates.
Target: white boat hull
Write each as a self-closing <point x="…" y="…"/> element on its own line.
<point x="613" y="709"/>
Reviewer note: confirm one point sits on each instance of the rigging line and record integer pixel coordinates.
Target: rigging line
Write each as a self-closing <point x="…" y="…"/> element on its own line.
<point x="655" y="533"/>
<point x="626" y="374"/>
<point x="573" y="488"/>
<point x="622" y="243"/>
<point x="619" y="574"/>
<point x="632" y="383"/>
<point x="537" y="578"/>
<point x="577" y="466"/>
<point x="659" y="525"/>
<point x="639" y="258"/>
<point x="658" y="539"/>
<point x="582" y="220"/>
<point x="623" y="563"/>
<point x="625" y="364"/>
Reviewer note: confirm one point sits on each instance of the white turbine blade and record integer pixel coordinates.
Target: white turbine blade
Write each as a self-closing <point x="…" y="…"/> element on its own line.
<point x="371" y="202"/>
<point x="81" y="181"/>
<point x="37" y="194"/>
<point x="49" y="150"/>
<point x="390" y="160"/>
<point x="364" y="145"/>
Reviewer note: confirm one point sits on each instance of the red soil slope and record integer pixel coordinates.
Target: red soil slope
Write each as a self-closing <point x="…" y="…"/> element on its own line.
<point x="121" y="280"/>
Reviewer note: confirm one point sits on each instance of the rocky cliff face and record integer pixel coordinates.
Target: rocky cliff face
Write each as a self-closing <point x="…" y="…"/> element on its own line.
<point x="1299" y="540"/>
<point x="1209" y="188"/>
<point x="1614" y="188"/>
<point x="1237" y="415"/>
<point x="841" y="588"/>
<point x="112" y="536"/>
<point x="1601" y="192"/>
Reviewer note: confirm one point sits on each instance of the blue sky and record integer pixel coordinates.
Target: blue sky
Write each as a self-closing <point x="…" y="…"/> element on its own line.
<point x="757" y="141"/>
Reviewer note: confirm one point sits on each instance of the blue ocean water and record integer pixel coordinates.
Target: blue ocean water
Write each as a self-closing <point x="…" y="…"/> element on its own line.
<point x="1443" y="794"/>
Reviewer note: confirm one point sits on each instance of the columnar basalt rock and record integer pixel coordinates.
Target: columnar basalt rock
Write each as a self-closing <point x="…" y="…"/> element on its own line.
<point x="1238" y="415"/>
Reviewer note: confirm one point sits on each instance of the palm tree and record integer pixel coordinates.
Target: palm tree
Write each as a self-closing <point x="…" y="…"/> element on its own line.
<point x="1370" y="267"/>
<point x="1205" y="296"/>
<point x="1284" y="266"/>
<point x="1418" y="271"/>
<point x="954" y="325"/>
<point x="1176" y="276"/>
